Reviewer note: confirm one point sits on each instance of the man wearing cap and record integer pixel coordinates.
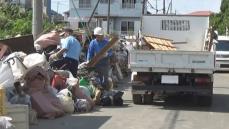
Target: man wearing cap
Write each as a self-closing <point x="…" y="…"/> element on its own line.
<point x="70" y="49"/>
<point x="96" y="45"/>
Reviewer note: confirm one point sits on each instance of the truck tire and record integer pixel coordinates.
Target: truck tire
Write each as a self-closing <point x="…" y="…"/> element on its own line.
<point x="148" y="99"/>
<point x="137" y="99"/>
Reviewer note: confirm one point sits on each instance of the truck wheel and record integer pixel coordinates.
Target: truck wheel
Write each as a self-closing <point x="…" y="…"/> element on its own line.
<point x="137" y="99"/>
<point x="148" y="98"/>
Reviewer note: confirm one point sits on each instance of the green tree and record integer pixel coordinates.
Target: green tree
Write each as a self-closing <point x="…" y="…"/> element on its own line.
<point x="15" y="20"/>
<point x="221" y="20"/>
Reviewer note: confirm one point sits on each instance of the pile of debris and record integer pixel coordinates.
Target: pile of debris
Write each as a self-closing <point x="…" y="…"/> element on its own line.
<point x="28" y="79"/>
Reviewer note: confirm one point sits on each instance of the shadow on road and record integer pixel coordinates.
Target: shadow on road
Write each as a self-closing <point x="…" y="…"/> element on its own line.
<point x="220" y="104"/>
<point x="125" y="105"/>
<point x="224" y="72"/>
<point x="72" y="122"/>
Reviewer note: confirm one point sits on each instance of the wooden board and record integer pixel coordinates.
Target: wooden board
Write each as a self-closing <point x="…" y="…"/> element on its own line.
<point x="23" y="43"/>
<point x="98" y="56"/>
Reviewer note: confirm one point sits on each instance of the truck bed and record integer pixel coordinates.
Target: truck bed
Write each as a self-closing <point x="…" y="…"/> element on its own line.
<point x="171" y="61"/>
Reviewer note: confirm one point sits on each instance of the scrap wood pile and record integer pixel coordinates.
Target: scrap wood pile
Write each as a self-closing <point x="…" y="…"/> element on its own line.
<point x="51" y="93"/>
<point x="149" y="43"/>
<point x="157" y="43"/>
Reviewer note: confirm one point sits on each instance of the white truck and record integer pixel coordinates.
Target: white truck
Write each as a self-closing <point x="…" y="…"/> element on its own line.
<point x="189" y="69"/>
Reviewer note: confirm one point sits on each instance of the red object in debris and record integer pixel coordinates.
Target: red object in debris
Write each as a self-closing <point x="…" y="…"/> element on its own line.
<point x="59" y="82"/>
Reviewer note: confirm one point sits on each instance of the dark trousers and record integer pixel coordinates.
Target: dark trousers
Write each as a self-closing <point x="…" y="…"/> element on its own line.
<point x="103" y="73"/>
<point x="66" y="64"/>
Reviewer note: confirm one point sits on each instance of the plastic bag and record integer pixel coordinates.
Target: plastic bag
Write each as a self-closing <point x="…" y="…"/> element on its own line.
<point x="46" y="105"/>
<point x="59" y="82"/>
<point x="32" y="117"/>
<point x="82" y="105"/>
<point x="6" y="76"/>
<point x="36" y="59"/>
<point x="85" y="91"/>
<point x="65" y="97"/>
<point x="5" y="123"/>
<point x="84" y="82"/>
<point x="16" y="65"/>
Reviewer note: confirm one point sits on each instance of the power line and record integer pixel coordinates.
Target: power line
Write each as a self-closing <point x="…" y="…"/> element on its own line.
<point x="152" y="7"/>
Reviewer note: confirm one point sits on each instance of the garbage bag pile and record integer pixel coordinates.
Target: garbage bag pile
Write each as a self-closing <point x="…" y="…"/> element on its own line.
<point x="29" y="80"/>
<point x="50" y="93"/>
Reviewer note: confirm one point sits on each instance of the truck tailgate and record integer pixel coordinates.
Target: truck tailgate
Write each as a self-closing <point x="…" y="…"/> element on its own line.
<point x="171" y="61"/>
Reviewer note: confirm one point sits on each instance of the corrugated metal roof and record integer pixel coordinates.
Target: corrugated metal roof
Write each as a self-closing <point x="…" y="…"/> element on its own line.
<point x="201" y="13"/>
<point x="159" y="43"/>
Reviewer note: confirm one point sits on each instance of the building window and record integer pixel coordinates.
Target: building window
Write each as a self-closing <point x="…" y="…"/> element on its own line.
<point x="84" y="3"/>
<point x="82" y="25"/>
<point x="175" y="25"/>
<point x="127" y="27"/>
<point x="128" y="3"/>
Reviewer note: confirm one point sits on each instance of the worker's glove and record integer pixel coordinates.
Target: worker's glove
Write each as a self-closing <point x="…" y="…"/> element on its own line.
<point x="105" y="54"/>
<point x="53" y="57"/>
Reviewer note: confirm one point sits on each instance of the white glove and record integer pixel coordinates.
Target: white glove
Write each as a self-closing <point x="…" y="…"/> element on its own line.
<point x="53" y="57"/>
<point x="105" y="54"/>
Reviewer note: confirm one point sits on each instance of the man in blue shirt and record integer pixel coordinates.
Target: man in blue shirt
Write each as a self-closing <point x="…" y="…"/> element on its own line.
<point x="96" y="45"/>
<point x="70" y="49"/>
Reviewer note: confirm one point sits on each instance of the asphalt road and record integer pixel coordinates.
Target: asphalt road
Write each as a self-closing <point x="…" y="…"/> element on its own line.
<point x="180" y="114"/>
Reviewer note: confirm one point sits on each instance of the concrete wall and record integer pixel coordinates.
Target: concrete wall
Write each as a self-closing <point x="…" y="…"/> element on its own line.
<point x="192" y="39"/>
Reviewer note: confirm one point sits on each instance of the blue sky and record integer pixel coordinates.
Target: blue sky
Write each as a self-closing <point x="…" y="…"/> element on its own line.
<point x="187" y="6"/>
<point x="181" y="6"/>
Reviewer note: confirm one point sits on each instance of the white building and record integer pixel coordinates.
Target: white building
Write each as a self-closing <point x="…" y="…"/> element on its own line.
<point x="125" y="15"/>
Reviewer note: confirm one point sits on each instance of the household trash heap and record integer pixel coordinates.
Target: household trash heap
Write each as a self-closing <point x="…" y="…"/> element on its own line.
<point x="51" y="92"/>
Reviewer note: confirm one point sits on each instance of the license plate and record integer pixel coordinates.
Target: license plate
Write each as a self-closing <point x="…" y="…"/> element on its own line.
<point x="169" y="79"/>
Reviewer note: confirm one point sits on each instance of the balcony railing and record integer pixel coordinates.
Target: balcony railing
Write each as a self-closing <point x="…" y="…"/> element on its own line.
<point x="128" y="5"/>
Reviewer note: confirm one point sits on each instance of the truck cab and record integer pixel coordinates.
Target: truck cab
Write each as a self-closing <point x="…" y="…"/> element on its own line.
<point x="222" y="53"/>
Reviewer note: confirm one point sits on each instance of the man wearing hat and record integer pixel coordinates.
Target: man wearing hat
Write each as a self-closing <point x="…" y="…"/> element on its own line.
<point x="96" y="45"/>
<point x="70" y="50"/>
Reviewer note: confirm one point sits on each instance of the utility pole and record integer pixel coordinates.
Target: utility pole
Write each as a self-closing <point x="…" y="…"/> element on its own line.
<point x="156" y="7"/>
<point x="57" y="6"/>
<point x="143" y="7"/>
<point x="88" y="23"/>
<point x="143" y="12"/>
<point x="108" y="17"/>
<point x="164" y="7"/>
<point x="37" y="18"/>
